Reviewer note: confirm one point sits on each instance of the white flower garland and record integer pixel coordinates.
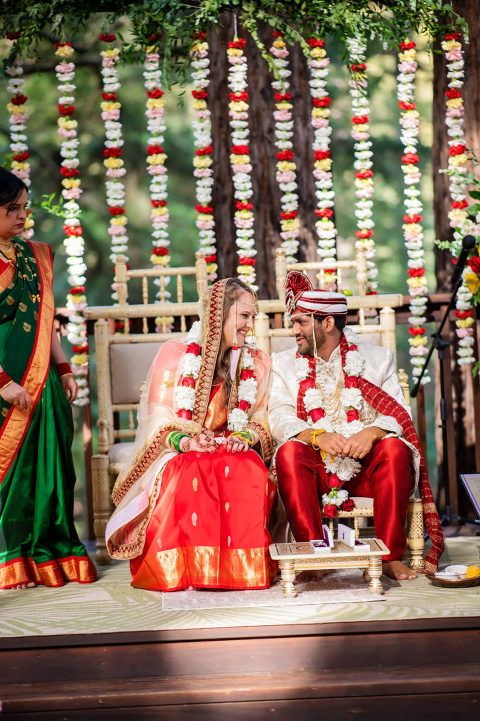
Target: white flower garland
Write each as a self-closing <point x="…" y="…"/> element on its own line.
<point x="185" y="394"/>
<point x="115" y="189"/>
<point x="412" y="228"/>
<point x="18" y="117"/>
<point x="358" y="85"/>
<point x="457" y="170"/>
<point x="240" y="162"/>
<point x="286" y="174"/>
<point x="74" y="242"/>
<point x="322" y="133"/>
<point x="203" y="172"/>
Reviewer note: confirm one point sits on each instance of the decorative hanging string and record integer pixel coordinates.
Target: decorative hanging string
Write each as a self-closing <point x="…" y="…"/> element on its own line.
<point x="458" y="215"/>
<point x="358" y="84"/>
<point x="286" y="174"/>
<point x="18" y="117"/>
<point x="74" y="242"/>
<point x="412" y="228"/>
<point x="115" y="189"/>
<point x="202" y="162"/>
<point x="240" y="161"/>
<point x="322" y="132"/>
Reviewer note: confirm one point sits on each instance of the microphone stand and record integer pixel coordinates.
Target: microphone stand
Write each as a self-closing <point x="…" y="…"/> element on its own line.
<point x="439" y="344"/>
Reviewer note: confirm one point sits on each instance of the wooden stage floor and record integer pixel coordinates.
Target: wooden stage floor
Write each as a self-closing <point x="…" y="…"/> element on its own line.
<point x="108" y="651"/>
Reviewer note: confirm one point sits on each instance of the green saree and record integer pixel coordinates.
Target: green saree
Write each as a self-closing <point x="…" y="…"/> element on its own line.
<point x="38" y="540"/>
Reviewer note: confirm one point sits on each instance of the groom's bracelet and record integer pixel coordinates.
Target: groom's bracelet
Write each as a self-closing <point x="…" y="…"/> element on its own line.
<point x="316" y="432"/>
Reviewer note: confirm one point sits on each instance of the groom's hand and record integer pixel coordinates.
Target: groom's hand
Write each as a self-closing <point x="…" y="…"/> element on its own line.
<point x="332" y="443"/>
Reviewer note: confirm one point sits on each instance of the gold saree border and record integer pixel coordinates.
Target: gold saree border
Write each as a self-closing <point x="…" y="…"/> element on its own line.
<point x="17" y="422"/>
<point x="52" y="573"/>
<point x="6" y="276"/>
<point x="205" y="567"/>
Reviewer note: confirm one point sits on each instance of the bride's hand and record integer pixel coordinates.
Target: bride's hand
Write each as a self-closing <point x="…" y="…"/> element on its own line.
<point x="234" y="444"/>
<point x="201" y="443"/>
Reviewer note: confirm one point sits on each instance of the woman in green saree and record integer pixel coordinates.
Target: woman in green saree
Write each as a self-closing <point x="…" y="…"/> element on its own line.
<point x="38" y="540"/>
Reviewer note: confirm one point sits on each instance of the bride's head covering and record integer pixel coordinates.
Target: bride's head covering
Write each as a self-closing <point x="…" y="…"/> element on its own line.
<point x="301" y="297"/>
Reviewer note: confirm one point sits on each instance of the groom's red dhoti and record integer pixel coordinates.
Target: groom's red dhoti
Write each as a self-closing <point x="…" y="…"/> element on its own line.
<point x="386" y="476"/>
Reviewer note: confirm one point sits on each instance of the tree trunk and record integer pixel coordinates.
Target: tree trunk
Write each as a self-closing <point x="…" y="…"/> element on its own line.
<point x="266" y="195"/>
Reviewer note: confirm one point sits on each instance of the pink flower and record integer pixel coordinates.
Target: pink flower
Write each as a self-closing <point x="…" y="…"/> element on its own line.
<point x="72" y="193"/>
<point x="454" y="54"/>
<point x="320" y="122"/>
<point x="115" y="172"/>
<point x="203" y="172"/>
<point x="412" y="179"/>
<point x="156" y="169"/>
<point x="356" y="135"/>
<point x="202" y="113"/>
<point x="290" y="234"/>
<point x="287" y="177"/>
<point x="244" y="222"/>
<point x="323" y="175"/>
<point x="282" y="115"/>
<point x="238" y="116"/>
<point x="245" y="168"/>
<point x="117" y="230"/>
<point x="111" y="115"/>
<point x="205" y="224"/>
<point x="279" y="52"/>
<point x="320" y="63"/>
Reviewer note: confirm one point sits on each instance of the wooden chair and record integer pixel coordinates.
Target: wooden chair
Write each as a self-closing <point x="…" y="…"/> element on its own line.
<point x="379" y="329"/>
<point x="122" y="364"/>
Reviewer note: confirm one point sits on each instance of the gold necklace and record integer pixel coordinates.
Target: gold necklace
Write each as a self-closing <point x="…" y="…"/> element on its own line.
<point x="9" y="252"/>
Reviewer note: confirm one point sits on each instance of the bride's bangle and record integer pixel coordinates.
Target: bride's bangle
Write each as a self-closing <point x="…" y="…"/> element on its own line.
<point x="244" y="436"/>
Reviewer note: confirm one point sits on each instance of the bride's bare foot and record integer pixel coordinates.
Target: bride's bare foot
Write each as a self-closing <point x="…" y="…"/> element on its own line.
<point x="22" y="586"/>
<point x="398" y="570"/>
<point x="305" y="576"/>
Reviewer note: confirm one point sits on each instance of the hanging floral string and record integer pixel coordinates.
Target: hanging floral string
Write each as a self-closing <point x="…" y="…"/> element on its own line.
<point x="74" y="242"/>
<point x="286" y="169"/>
<point x="458" y="215"/>
<point x="240" y="161"/>
<point x="358" y="84"/>
<point x="412" y="228"/>
<point x="322" y="132"/>
<point x="115" y="189"/>
<point x="18" y="117"/>
<point x="202" y="162"/>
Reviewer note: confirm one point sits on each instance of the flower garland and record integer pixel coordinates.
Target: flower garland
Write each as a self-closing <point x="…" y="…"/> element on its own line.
<point x="115" y="189"/>
<point x="362" y="151"/>
<point x="412" y="228"/>
<point x="74" y="242"/>
<point x="322" y="132"/>
<point x="202" y="162"/>
<point x="240" y="161"/>
<point x="339" y="470"/>
<point x="18" y="116"/>
<point x="286" y="174"/>
<point x="185" y="391"/>
<point x="458" y="215"/>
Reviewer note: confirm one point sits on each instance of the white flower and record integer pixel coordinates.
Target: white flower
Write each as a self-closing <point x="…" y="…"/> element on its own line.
<point x="247" y="390"/>
<point x="351" y="398"/>
<point x="185" y="397"/>
<point x="354" y="363"/>
<point x="237" y="420"/>
<point x="302" y="368"/>
<point x="312" y="399"/>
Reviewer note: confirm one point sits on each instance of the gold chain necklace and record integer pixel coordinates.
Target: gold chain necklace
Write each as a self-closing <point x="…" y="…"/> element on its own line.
<point x="9" y="252"/>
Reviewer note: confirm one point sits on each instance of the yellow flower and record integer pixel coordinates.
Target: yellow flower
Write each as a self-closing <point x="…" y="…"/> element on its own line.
<point x="20" y="166"/>
<point x="454" y="103"/>
<point x="159" y="211"/>
<point x="234" y="51"/>
<point x="239" y="159"/>
<point x="324" y="164"/>
<point x="472" y="282"/>
<point x="318" y="53"/>
<point x="245" y="214"/>
<point x="77" y="299"/>
<point x="284" y="105"/>
<point x="291" y="224"/>
<point x="412" y="228"/>
<point x="212" y="268"/>
<point x="66" y="123"/>
<point x="285" y="165"/>
<point x="239" y="106"/>
<point x="118" y="220"/>
<point x="156" y="159"/>
<point x="457" y="216"/>
<point x="160" y="259"/>
<point x="64" y="51"/>
<point x="457" y="160"/>
<point x="15" y="109"/>
<point x="202" y="161"/>
<point x="245" y="269"/>
<point x="79" y="359"/>
<point x="279" y="43"/>
<point x="416" y="282"/>
<point x="29" y="222"/>
<point x="418" y="340"/>
<point x="107" y="105"/>
<point x="199" y="104"/>
<point x="110" y="53"/>
<point x="362" y="128"/>
<point x="71" y="182"/>
<point x="465" y="322"/>
<point x="155" y="103"/>
<point x="205" y="216"/>
<point x="113" y="162"/>
<point x="320" y="112"/>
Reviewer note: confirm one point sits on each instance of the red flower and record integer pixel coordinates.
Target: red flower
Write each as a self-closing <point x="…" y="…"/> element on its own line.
<point x="348" y="505"/>
<point x="321" y="102"/>
<point x="358" y="67"/>
<point x="352" y="415"/>
<point x="239" y="96"/>
<point x="239" y="43"/>
<point x="351" y="382"/>
<point x="284" y="155"/>
<point x="371" y="292"/>
<point x="364" y="174"/>
<point x="112" y="152"/>
<point x="81" y="348"/>
<point x="463" y="313"/>
<point x="63" y="45"/>
<point x="66" y="109"/>
<point x="453" y="36"/>
<point x="154" y="149"/>
<point x="364" y="233"/>
<point x="412" y="218"/>
<point x="353" y="346"/>
<point x="204" y="209"/>
<point x="73" y="230"/>
<point x="277" y="34"/>
<point x="333" y="481"/>
<point x="154" y="36"/>
<point x="289" y="216"/>
<point x="159" y="251"/>
<point x="204" y="151"/>
<point x="322" y="154"/>
<point x="416" y="272"/>
<point x="285" y="96"/>
<point x="360" y="119"/>
<point x="77" y="290"/>
<point x="457" y="149"/>
<point x="240" y="149"/>
<point x="247" y="373"/>
<point x="406" y="106"/>
<point x="155" y="93"/>
<point x="13" y="36"/>
<point x="194" y="348"/>
<point x="198" y="36"/>
<point x="408" y="45"/>
<point x="324" y="213"/>
<point x="244" y="405"/>
<point x="474" y="264"/>
<point x="158" y="203"/>
<point x="19" y="99"/>
<point x="241" y="205"/>
<point x="453" y="93"/>
<point x="116" y="210"/>
<point x="416" y="330"/>
<point x="308" y="383"/>
<point x="200" y="94"/>
<point x="211" y="258"/>
<point x="329" y="510"/>
<point x="20" y="157"/>
<point x="460" y="204"/>
<point x="410" y="158"/>
<point x="316" y="43"/>
<point x="109" y="96"/>
<point x="247" y="261"/>
<point x="107" y="37"/>
<point x="69" y="172"/>
<point x="188" y="382"/>
<point x="183" y="413"/>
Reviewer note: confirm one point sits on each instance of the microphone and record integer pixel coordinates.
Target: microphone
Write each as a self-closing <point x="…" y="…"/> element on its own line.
<point x="467" y="244"/>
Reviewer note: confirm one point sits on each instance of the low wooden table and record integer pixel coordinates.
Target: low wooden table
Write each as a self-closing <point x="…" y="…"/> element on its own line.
<point x="296" y="557"/>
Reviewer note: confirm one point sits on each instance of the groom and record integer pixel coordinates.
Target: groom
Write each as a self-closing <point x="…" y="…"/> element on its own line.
<point x="338" y="412"/>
